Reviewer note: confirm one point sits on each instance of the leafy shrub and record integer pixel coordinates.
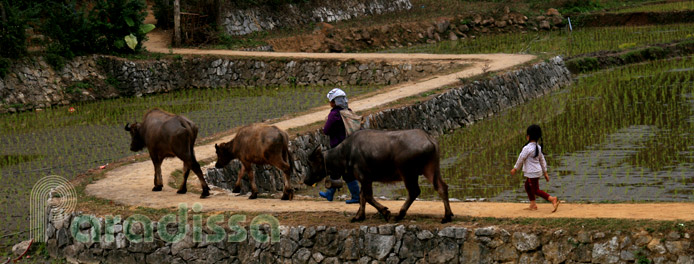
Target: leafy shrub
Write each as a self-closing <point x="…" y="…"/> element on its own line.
<point x="651" y="53"/>
<point x="55" y="60"/>
<point x="117" y="19"/>
<point x="70" y="30"/>
<point x="113" y="26"/>
<point x="580" y="6"/>
<point x="163" y="11"/>
<point x="687" y="45"/>
<point x="5" y="64"/>
<point x="581" y="65"/>
<point x="13" y="22"/>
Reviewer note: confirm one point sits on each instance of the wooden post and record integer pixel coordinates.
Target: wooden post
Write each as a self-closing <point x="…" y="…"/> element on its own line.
<point x="177" y="23"/>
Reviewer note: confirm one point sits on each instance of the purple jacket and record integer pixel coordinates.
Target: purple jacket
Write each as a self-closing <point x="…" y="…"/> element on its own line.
<point x="334" y="127"/>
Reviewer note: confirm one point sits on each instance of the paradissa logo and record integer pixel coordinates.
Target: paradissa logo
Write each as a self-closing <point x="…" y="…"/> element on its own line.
<point x="214" y="223"/>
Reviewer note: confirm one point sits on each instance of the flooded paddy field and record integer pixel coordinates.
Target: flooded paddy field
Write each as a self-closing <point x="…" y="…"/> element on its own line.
<point x="621" y="135"/>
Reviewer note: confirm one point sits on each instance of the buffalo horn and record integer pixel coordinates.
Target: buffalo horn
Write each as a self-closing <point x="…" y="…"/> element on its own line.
<point x="127" y="127"/>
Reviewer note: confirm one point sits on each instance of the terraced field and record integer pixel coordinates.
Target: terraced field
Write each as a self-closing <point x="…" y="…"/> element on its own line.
<point x="617" y="135"/>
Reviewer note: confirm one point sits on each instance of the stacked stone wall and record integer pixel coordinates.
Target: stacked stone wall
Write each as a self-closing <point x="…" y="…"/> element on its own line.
<point x="32" y="83"/>
<point x="366" y="244"/>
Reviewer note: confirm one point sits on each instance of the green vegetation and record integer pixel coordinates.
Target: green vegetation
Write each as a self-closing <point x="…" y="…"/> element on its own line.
<point x="111" y="27"/>
<point x="617" y="135"/>
<point x="580" y="41"/>
<point x="13" y="23"/>
<point x="582" y="65"/>
<point x="71" y="28"/>
<point x="650" y="53"/>
<point x="9" y="160"/>
<point x="662" y="7"/>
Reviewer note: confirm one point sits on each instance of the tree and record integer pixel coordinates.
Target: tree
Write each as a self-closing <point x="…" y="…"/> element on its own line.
<point x="177" y="22"/>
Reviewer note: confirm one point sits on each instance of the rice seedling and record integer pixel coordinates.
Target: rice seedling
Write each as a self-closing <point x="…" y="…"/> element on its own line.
<point x="559" y="42"/>
<point x="661" y="7"/>
<point x="620" y="135"/>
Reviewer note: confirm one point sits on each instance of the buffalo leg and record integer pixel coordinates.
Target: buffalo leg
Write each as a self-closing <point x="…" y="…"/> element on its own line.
<point x="158" y="183"/>
<point x="433" y="173"/>
<point x="367" y="194"/>
<point x="287" y="192"/>
<point x="251" y="178"/>
<point x="237" y="186"/>
<point x="184" y="185"/>
<point x="203" y="183"/>
<point x="413" y="191"/>
<point x="361" y="214"/>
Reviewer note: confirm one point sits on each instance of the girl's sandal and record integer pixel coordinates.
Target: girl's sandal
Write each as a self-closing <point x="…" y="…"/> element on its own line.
<point x="556" y="205"/>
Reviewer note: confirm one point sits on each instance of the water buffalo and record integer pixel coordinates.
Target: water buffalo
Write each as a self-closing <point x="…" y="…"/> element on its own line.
<point x="167" y="135"/>
<point x="258" y="144"/>
<point x="383" y="156"/>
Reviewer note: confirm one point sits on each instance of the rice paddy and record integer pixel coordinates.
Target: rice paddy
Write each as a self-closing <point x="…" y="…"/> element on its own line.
<point x="560" y="42"/>
<point x="662" y="7"/>
<point x="59" y="141"/>
<point x="618" y="135"/>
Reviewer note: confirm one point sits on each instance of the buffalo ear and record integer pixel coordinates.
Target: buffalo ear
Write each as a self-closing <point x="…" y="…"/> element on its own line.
<point x="127" y="127"/>
<point x="216" y="147"/>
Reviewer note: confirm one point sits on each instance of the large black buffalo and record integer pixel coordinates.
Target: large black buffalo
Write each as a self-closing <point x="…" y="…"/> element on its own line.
<point x="167" y="135"/>
<point x="383" y="156"/>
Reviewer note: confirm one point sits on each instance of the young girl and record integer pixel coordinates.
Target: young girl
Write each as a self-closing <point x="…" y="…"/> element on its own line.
<point x="534" y="166"/>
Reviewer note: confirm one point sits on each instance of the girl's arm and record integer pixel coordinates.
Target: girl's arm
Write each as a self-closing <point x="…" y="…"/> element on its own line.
<point x="521" y="159"/>
<point x="543" y="164"/>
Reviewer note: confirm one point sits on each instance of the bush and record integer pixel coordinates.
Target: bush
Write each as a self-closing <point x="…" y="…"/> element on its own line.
<point x="580" y="6"/>
<point x="163" y="11"/>
<point x="75" y="31"/>
<point x="116" y="19"/>
<point x="5" y="65"/>
<point x="651" y="53"/>
<point x="70" y="31"/>
<point x="13" y="23"/>
<point x="581" y="65"/>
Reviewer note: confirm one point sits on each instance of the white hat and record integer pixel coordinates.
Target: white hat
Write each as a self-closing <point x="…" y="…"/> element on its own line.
<point x="334" y="93"/>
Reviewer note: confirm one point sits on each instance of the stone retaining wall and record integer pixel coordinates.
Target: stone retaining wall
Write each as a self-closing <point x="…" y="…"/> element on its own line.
<point x="451" y="110"/>
<point x="244" y="21"/>
<point x="31" y="83"/>
<point x="371" y="244"/>
<point x="406" y="34"/>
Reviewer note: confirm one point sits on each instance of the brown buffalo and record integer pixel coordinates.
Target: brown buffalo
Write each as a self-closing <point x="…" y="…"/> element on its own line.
<point x="167" y="135"/>
<point x="258" y="144"/>
<point x="383" y="156"/>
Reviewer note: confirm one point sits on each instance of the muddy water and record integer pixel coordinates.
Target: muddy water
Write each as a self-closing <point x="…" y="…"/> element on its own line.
<point x="620" y="135"/>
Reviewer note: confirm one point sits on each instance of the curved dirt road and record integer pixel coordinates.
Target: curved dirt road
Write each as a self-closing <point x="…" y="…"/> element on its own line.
<point x="135" y="180"/>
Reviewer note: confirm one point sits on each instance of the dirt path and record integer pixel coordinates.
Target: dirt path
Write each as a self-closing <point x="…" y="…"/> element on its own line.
<point x="131" y="184"/>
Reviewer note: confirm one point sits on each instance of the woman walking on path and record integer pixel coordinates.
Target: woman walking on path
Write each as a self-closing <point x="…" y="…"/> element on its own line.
<point x="335" y="129"/>
<point x="534" y="165"/>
